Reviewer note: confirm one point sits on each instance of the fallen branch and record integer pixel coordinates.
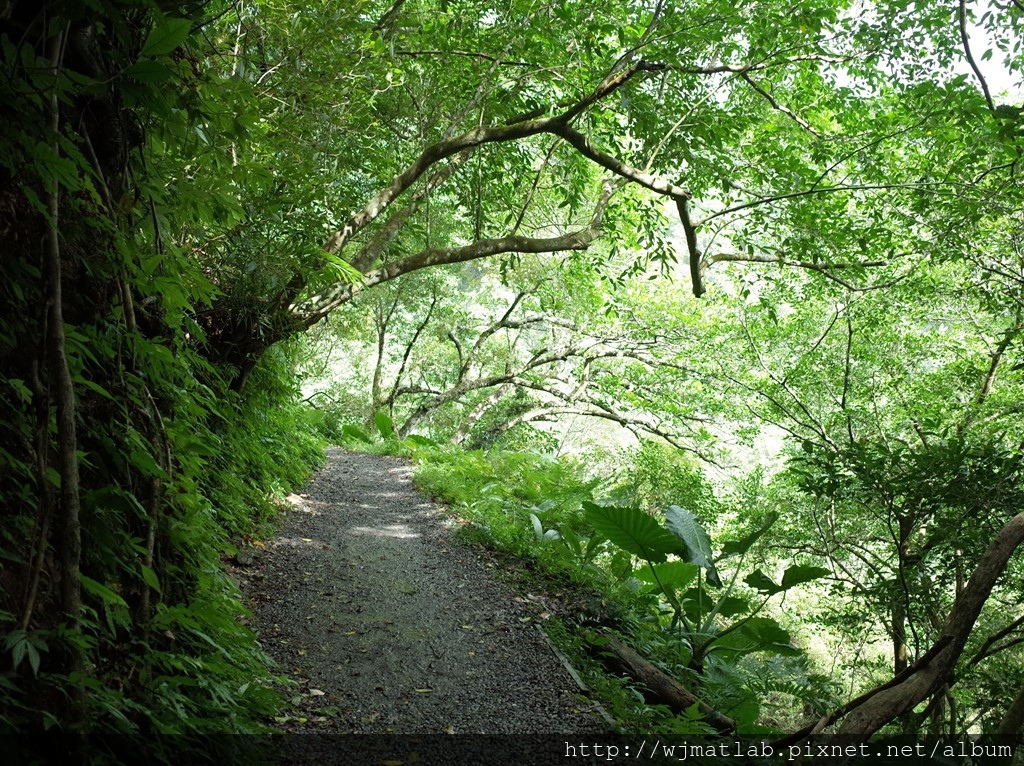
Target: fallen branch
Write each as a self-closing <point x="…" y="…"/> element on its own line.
<point x="660" y="687"/>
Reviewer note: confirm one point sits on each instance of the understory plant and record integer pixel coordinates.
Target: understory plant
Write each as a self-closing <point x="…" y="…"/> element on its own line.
<point x="697" y="609"/>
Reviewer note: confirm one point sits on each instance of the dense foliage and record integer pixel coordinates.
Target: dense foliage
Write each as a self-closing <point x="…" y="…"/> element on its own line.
<point x="495" y="218"/>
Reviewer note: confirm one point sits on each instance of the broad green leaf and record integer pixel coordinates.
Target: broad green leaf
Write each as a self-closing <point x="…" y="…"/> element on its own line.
<point x="166" y="36"/>
<point x="385" y="425"/>
<point x="799" y="574"/>
<point x="762" y="582"/>
<point x="671" y="574"/>
<point x="632" y="530"/>
<point x="687" y="528"/>
<point x="767" y="633"/>
<point x="758" y="634"/>
<point x="149" y="71"/>
<point x="730" y="606"/>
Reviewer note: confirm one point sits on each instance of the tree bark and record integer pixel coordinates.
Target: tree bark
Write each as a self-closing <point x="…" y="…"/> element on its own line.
<point x="881" y="708"/>
<point x="1011" y="728"/>
<point x="68" y="527"/>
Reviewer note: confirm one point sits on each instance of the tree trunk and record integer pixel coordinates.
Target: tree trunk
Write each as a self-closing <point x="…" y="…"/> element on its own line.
<point x="1011" y="728"/>
<point x="900" y="660"/>
<point x="881" y="708"/>
<point x="68" y="527"/>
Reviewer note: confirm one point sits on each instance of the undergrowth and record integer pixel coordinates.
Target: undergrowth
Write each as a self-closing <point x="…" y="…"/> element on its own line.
<point x="696" y="616"/>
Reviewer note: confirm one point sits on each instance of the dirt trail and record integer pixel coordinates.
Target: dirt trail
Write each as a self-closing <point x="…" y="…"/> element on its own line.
<point x="392" y="626"/>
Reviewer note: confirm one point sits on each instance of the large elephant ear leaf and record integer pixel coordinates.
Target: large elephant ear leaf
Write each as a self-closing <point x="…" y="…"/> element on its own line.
<point x="795" y="575"/>
<point x="385" y="425"/>
<point x="632" y="530"/>
<point x="670" y="575"/>
<point x="688" y="529"/>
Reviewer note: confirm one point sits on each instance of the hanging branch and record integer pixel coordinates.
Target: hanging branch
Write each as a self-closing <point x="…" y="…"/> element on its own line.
<point x="995" y="358"/>
<point x="779" y="107"/>
<point x="317" y="307"/>
<point x="393" y="394"/>
<point x="964" y="38"/>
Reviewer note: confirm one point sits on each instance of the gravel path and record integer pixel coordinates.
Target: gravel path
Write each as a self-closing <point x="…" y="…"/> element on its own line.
<point x="391" y="626"/>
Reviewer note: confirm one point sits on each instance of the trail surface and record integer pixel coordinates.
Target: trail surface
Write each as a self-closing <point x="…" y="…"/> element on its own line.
<point x="390" y="625"/>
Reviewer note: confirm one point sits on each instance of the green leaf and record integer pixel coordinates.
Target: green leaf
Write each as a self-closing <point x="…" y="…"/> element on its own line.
<point x="33" y="658"/>
<point x="167" y="35"/>
<point x="758" y="580"/>
<point x="671" y="574"/>
<point x="687" y="528"/>
<point x="149" y="71"/>
<point x="741" y="546"/>
<point x="632" y="530"/>
<point x="730" y="606"/>
<point x="150" y="578"/>
<point x="766" y="633"/>
<point x="355" y="433"/>
<point x="101" y="591"/>
<point x="16" y="642"/>
<point x="540" y="533"/>
<point x="799" y="574"/>
<point x="342" y="270"/>
<point x="419" y="441"/>
<point x="95" y="387"/>
<point x="385" y="425"/>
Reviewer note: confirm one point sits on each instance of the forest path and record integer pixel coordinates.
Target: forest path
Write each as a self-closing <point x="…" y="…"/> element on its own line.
<point x="391" y="625"/>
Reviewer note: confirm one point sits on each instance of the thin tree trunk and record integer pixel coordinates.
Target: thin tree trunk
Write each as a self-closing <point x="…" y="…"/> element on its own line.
<point x="68" y="527"/>
<point x="41" y="537"/>
<point x="899" y="635"/>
